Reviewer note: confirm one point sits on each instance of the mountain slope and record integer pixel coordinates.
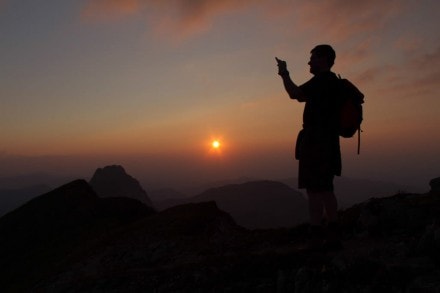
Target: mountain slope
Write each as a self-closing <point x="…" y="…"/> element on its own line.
<point x="254" y="205"/>
<point x="12" y="198"/>
<point x="39" y="234"/>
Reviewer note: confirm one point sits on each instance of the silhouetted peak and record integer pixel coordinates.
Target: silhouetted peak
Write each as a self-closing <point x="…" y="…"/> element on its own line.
<point x="75" y="200"/>
<point x="76" y="187"/>
<point x="111" y="170"/>
<point x="71" y="206"/>
<point x="113" y="181"/>
<point x="77" y="194"/>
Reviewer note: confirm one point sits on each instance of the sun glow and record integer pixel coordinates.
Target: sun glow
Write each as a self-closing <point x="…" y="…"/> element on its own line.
<point x="215" y="144"/>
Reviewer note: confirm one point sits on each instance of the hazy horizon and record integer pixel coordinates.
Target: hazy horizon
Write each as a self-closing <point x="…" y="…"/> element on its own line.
<point x="150" y="84"/>
<point x="181" y="173"/>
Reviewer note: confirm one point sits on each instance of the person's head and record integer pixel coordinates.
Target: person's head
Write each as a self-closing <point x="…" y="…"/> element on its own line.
<point x="322" y="59"/>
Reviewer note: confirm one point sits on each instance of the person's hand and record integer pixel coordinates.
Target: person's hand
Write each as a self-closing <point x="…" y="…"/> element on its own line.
<point x="282" y="67"/>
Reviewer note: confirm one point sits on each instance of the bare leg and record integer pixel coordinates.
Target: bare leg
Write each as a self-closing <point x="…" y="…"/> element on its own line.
<point x="333" y="232"/>
<point x="331" y="206"/>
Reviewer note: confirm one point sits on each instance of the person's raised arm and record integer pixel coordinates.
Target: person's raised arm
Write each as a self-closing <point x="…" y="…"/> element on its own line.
<point x="292" y="89"/>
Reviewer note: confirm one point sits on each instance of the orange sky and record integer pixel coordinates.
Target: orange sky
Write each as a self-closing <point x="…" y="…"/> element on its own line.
<point x="148" y="84"/>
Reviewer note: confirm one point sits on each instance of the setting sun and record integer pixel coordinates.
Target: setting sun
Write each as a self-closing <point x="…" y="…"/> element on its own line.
<point x="215" y="144"/>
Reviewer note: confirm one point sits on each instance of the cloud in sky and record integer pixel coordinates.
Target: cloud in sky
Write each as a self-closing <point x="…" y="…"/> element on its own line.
<point x="424" y="77"/>
<point x="341" y="19"/>
<point x="221" y="78"/>
<point x="201" y="13"/>
<point x="175" y="18"/>
<point x="185" y="18"/>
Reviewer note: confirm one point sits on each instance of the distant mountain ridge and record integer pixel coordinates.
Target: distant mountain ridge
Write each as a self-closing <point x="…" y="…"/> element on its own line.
<point x="255" y="204"/>
<point x="350" y="191"/>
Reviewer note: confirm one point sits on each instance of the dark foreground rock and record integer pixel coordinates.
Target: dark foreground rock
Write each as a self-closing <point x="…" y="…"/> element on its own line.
<point x="390" y="245"/>
<point x="37" y="237"/>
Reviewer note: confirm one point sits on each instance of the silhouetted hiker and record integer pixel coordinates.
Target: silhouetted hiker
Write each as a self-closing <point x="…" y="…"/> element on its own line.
<point x="317" y="146"/>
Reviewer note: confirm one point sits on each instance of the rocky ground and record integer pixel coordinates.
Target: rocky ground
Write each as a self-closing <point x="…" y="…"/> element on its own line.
<point x="390" y="245"/>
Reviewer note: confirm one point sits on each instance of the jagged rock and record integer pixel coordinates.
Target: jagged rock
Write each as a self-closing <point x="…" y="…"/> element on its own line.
<point x="435" y="184"/>
<point x="113" y="181"/>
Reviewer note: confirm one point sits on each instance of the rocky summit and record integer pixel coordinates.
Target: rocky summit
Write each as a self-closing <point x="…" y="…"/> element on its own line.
<point x="113" y="181"/>
<point x="391" y="244"/>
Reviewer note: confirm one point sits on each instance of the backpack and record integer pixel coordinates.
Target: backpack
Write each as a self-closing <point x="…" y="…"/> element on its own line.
<point x="350" y="115"/>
